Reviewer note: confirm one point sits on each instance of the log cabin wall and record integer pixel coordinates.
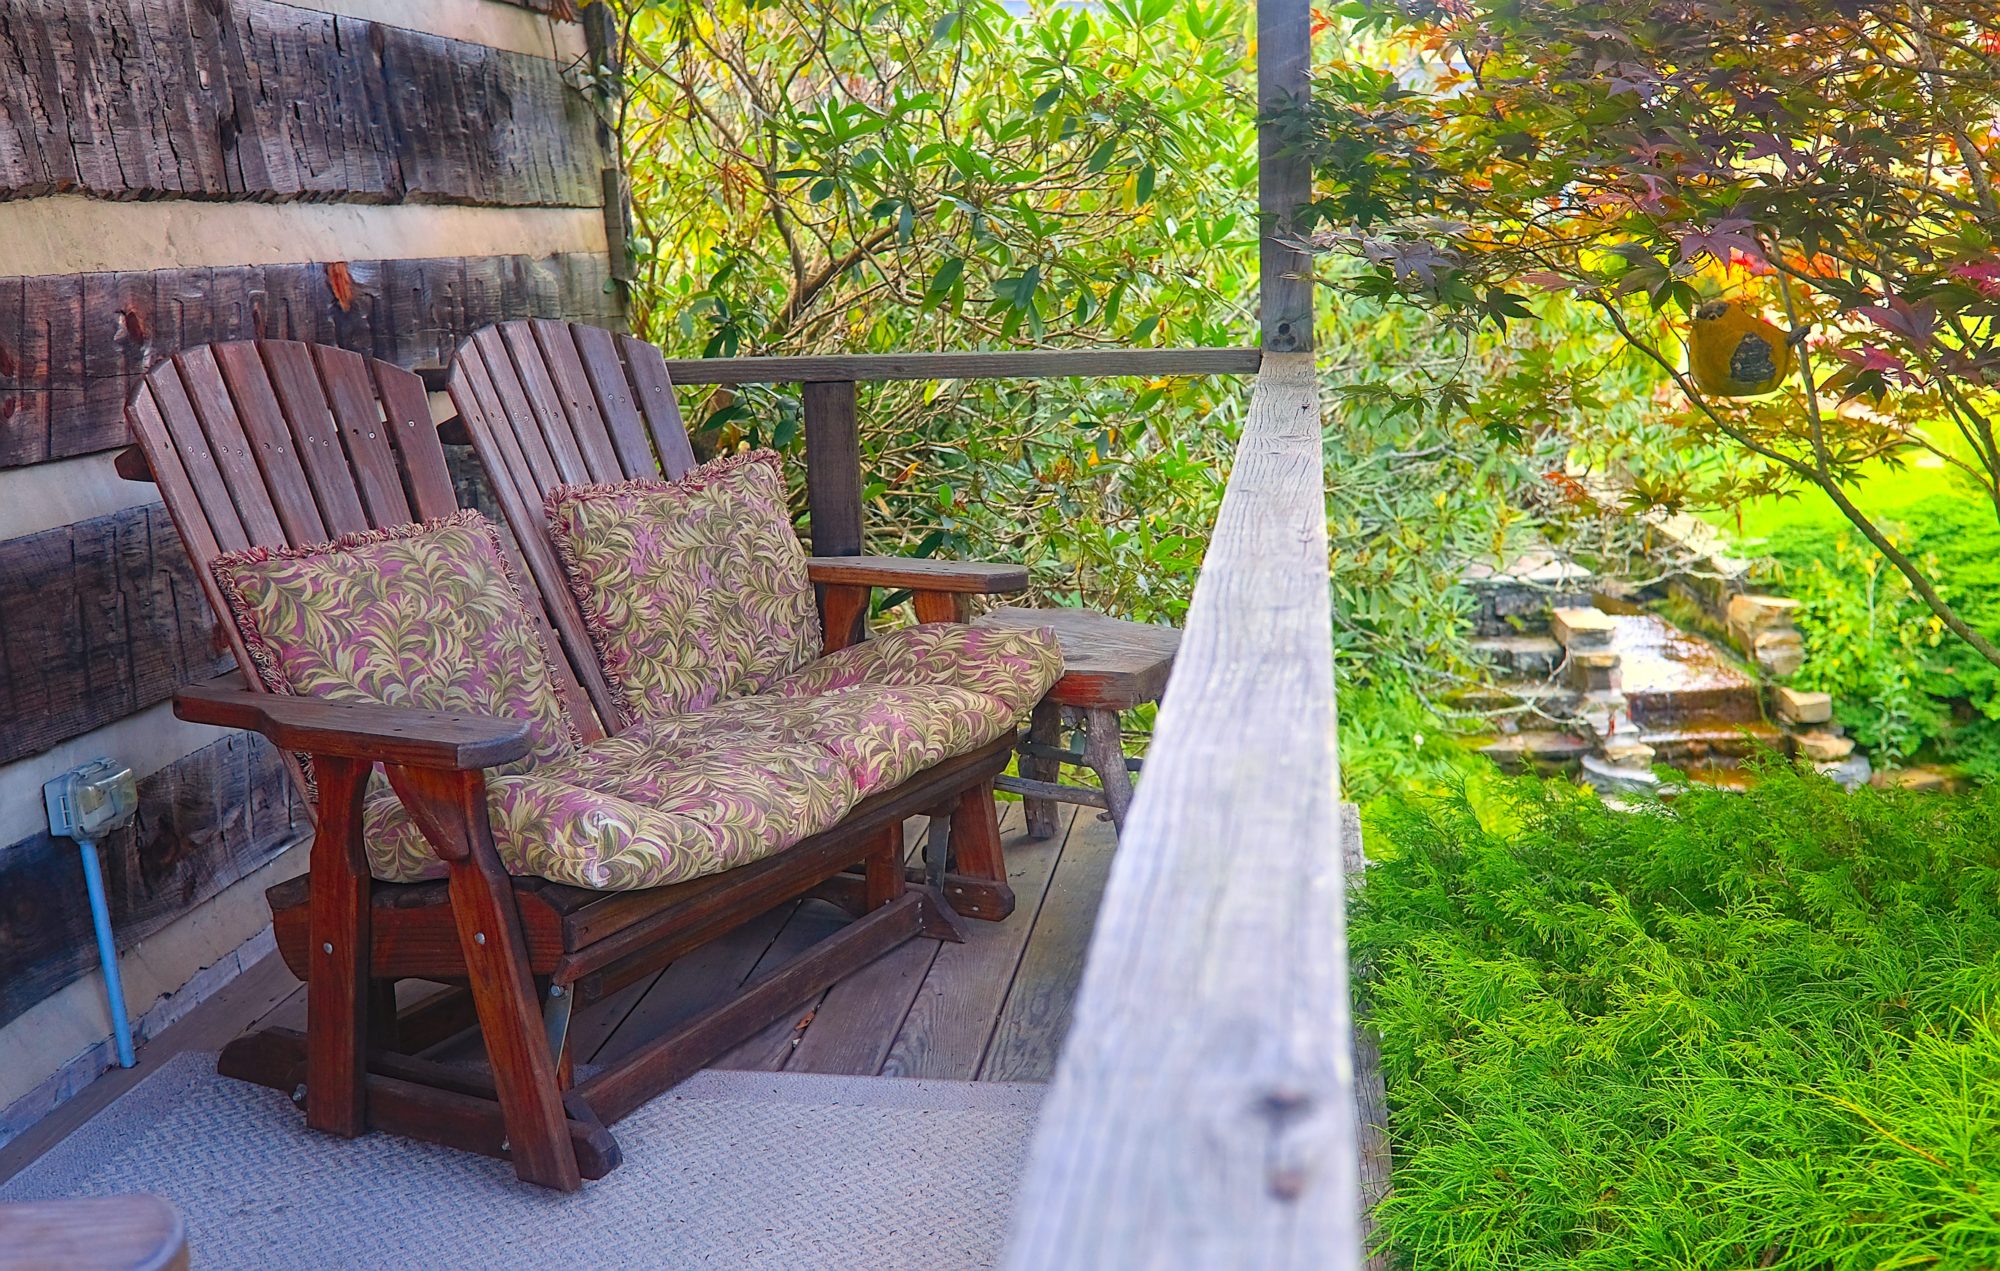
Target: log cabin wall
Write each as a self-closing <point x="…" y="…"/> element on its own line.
<point x="387" y="175"/>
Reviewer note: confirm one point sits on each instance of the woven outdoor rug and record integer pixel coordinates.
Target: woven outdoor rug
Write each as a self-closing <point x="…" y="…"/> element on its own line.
<point x="729" y="1169"/>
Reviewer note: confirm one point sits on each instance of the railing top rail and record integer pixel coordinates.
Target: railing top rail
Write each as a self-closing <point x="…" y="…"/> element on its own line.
<point x="1203" y="1111"/>
<point x="1038" y="364"/>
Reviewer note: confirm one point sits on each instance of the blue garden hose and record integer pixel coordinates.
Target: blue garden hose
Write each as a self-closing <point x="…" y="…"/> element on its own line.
<point x="107" y="951"/>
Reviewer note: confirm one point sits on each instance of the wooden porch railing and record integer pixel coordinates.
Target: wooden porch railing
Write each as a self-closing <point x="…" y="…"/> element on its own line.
<point x="1203" y="1110"/>
<point x="833" y="439"/>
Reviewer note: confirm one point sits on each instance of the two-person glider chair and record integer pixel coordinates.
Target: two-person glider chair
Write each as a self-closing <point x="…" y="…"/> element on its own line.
<point x="549" y="759"/>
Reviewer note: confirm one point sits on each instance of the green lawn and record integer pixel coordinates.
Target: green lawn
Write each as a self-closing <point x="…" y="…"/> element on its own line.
<point x="1886" y="492"/>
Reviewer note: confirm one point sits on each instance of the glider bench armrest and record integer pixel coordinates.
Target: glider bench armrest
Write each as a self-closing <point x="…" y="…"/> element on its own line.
<point x="384" y="734"/>
<point x="962" y="577"/>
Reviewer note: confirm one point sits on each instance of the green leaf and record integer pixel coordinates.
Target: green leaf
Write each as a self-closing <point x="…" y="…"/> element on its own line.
<point x="943" y="281"/>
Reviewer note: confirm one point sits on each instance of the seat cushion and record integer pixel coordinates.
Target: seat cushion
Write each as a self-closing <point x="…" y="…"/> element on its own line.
<point x="1014" y="667"/>
<point x="693" y="590"/>
<point x="682" y="795"/>
<point x="881" y="735"/>
<point x="423" y="616"/>
<point x="632" y="812"/>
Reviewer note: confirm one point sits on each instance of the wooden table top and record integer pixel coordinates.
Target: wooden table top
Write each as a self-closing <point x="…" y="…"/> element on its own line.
<point x="110" y="1233"/>
<point x="1108" y="663"/>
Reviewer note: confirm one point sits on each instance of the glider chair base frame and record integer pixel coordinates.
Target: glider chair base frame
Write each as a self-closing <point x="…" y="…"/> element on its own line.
<point x="520" y="943"/>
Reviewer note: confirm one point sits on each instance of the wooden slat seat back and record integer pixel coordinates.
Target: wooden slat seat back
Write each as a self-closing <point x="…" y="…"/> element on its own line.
<point x="551" y="403"/>
<point x="275" y="443"/>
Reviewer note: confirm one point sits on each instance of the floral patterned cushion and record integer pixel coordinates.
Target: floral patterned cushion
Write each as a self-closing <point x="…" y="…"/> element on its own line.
<point x="428" y="615"/>
<point x="694" y="590"/>
<point x="682" y="795"/>
<point x="423" y="615"/>
<point x="880" y="734"/>
<point x="633" y="812"/>
<point x="1015" y="667"/>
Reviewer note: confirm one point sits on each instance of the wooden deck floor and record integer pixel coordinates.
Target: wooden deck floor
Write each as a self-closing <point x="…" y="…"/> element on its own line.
<point x="992" y="1009"/>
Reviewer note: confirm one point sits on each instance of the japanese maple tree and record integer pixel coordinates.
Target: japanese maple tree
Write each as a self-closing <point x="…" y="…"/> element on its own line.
<point x="1830" y="164"/>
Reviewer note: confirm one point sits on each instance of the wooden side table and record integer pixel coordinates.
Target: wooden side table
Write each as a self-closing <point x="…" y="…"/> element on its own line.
<point x="1109" y="666"/>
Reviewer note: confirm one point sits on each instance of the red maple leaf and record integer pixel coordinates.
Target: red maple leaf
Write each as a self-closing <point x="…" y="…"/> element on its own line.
<point x="1984" y="275"/>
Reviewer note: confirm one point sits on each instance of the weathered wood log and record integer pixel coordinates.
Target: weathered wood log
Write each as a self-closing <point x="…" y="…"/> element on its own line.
<point x="562" y="10"/>
<point x="73" y="346"/>
<point x="102" y="618"/>
<point x="253" y="99"/>
<point x="203" y="823"/>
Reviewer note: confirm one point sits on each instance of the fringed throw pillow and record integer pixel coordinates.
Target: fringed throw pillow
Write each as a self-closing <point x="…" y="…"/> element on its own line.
<point x="693" y="590"/>
<point x="426" y="616"/>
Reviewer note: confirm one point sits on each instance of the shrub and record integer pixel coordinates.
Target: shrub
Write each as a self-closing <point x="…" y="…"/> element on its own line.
<point x="1749" y="1030"/>
<point x="1899" y="684"/>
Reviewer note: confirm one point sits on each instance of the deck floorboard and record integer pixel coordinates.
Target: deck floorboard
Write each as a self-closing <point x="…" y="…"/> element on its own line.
<point x="957" y="1007"/>
<point x="1035" y="1017"/>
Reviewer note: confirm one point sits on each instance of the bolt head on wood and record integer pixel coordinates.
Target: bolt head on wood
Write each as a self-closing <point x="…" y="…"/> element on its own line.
<point x="1584" y="627"/>
<point x="1797" y="706"/>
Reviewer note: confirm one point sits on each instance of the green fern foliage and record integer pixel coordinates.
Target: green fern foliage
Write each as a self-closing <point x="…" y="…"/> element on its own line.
<point x="1740" y="1030"/>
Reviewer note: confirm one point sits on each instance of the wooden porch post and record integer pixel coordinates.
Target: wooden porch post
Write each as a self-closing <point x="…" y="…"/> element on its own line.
<point x="833" y="489"/>
<point x="1284" y="176"/>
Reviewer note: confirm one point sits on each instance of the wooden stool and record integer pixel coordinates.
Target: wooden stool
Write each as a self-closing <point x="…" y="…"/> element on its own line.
<point x="112" y="1233"/>
<point x="1109" y="666"/>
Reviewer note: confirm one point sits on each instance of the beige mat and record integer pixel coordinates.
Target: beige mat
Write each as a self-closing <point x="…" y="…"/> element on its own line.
<point x="730" y="1169"/>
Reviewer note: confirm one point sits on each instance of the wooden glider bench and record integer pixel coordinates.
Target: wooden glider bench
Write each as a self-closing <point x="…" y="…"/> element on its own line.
<point x="276" y="443"/>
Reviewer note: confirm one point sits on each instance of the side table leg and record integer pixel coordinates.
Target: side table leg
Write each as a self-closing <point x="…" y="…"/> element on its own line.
<point x="1104" y="751"/>
<point x="1044" y="728"/>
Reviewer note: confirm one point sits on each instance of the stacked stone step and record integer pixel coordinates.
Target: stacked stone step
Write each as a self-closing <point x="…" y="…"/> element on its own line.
<point x="1532" y="657"/>
<point x="1523" y="680"/>
<point x="1537" y="748"/>
<point x="1763" y="627"/>
<point x="1515" y="600"/>
<point x="1807" y="718"/>
<point x="1623" y="762"/>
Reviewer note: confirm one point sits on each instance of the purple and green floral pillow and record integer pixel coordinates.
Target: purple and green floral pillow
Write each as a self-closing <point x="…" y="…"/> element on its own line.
<point x="693" y="590"/>
<point x="426" y="616"/>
